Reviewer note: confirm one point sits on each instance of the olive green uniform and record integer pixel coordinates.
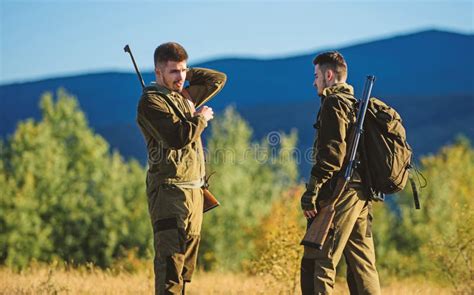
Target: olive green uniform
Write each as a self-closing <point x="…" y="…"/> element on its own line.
<point x="175" y="174"/>
<point x="351" y="234"/>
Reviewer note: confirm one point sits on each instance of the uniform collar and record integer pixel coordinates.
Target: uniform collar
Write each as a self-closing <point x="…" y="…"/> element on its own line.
<point x="338" y="88"/>
<point x="161" y="89"/>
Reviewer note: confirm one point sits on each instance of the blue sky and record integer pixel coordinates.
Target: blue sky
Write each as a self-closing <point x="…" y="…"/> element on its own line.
<point x="42" y="39"/>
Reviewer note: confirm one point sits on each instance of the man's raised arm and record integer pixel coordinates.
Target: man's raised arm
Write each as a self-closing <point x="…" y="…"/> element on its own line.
<point x="204" y="84"/>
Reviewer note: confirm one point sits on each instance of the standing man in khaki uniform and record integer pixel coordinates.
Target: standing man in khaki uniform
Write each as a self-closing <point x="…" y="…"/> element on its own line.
<point x="351" y="233"/>
<point x="172" y="129"/>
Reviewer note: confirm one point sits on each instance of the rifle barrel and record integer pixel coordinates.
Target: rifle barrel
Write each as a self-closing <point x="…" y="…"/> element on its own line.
<point x="127" y="49"/>
<point x="363" y="103"/>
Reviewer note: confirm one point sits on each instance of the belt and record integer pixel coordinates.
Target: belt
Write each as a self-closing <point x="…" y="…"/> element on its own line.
<point x="184" y="184"/>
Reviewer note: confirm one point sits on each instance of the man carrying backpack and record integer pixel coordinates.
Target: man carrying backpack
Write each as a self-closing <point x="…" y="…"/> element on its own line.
<point x="351" y="234"/>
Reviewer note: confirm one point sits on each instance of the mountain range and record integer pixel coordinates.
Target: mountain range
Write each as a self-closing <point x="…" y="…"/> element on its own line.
<point x="427" y="76"/>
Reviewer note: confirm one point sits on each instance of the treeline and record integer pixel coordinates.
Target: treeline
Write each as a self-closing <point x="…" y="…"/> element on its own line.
<point x="65" y="195"/>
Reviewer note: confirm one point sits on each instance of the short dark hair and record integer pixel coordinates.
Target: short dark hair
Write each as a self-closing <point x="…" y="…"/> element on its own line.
<point x="332" y="60"/>
<point x="170" y="51"/>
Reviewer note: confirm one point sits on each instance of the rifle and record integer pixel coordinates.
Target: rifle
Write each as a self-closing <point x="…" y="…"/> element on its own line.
<point x="210" y="202"/>
<point x="319" y="228"/>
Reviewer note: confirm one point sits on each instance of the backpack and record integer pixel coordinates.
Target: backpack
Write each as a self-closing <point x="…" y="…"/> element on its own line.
<point x="385" y="151"/>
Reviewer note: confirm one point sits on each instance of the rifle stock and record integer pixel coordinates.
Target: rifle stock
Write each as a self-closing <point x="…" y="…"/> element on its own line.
<point x="210" y="202"/>
<point x="318" y="230"/>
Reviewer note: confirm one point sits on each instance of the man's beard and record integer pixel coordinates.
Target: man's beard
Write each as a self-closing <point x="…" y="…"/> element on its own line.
<point x="172" y="85"/>
<point x="325" y="85"/>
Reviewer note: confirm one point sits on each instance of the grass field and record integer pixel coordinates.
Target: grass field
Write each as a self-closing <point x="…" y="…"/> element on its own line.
<point x="91" y="280"/>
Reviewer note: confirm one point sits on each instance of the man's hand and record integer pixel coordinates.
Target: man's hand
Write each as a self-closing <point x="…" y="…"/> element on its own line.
<point x="206" y="112"/>
<point x="308" y="204"/>
<point x="308" y="199"/>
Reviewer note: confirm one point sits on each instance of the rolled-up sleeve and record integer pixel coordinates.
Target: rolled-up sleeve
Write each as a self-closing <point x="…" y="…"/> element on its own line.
<point x="204" y="84"/>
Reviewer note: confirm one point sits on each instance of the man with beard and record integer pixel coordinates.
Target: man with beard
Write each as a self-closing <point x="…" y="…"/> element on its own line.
<point x="351" y="233"/>
<point x="172" y="130"/>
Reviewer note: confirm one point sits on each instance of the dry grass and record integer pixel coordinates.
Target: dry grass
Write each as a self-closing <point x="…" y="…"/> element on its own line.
<point x="50" y="280"/>
<point x="91" y="280"/>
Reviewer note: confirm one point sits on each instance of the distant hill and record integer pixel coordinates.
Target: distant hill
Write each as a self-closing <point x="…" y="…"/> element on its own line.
<point x="427" y="76"/>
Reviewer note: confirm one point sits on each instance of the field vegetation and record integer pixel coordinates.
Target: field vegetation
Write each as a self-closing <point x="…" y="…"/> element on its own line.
<point x="74" y="217"/>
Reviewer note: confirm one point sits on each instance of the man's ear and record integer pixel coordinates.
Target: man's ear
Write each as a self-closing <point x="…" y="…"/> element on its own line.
<point x="158" y="74"/>
<point x="329" y="75"/>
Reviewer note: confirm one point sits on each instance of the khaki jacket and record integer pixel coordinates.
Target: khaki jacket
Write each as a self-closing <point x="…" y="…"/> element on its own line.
<point x="175" y="152"/>
<point x="336" y="115"/>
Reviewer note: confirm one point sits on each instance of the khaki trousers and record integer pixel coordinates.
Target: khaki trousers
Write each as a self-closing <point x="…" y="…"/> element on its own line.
<point x="176" y="215"/>
<point x="350" y="236"/>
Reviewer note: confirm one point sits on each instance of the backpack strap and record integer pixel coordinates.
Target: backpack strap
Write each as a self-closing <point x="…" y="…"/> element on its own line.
<point x="367" y="179"/>
<point x="416" y="198"/>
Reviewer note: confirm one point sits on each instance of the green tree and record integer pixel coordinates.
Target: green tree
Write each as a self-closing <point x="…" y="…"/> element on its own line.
<point x="249" y="177"/>
<point x="436" y="241"/>
<point x="278" y="249"/>
<point x="443" y="230"/>
<point x="67" y="195"/>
